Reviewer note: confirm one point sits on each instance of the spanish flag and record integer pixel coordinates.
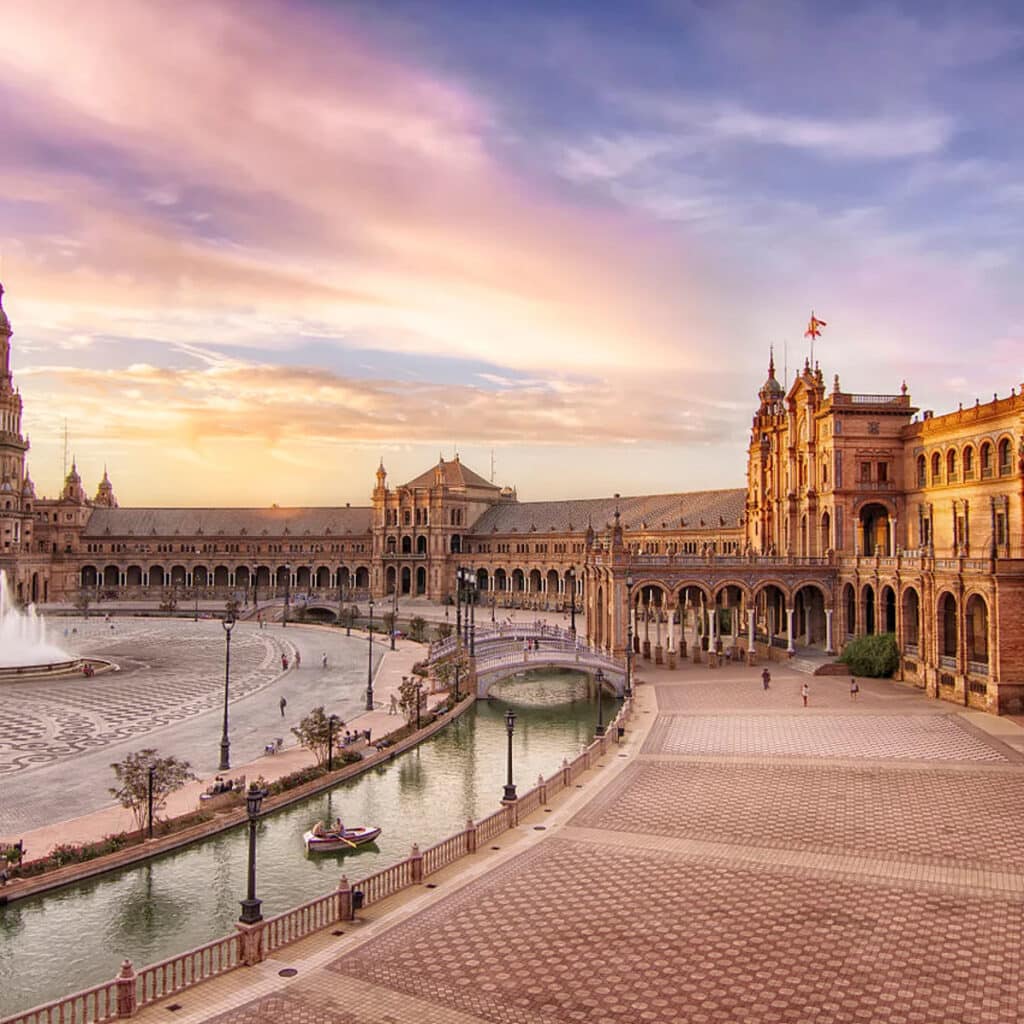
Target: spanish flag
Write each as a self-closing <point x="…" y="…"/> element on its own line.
<point x="813" y="327"/>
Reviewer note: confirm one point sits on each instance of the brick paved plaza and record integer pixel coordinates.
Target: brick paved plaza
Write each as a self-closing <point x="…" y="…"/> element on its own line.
<point x="854" y="862"/>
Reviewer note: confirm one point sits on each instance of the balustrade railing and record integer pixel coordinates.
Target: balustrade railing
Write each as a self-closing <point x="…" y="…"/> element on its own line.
<point x="123" y="996"/>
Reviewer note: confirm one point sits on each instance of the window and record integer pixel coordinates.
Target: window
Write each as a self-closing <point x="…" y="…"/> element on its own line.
<point x="883" y="472"/>
<point x="936" y="468"/>
<point x="986" y="461"/>
<point x="865" y="473"/>
<point x="1002" y="533"/>
<point x="951" y="466"/>
<point x="1004" y="457"/>
<point x="922" y="471"/>
<point x="968" y="461"/>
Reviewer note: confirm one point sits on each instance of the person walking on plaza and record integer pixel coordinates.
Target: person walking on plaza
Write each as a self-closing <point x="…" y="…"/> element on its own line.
<point x="284" y="662"/>
<point x="323" y="660"/>
<point x="298" y="658"/>
<point x="393" y="706"/>
<point x="805" y="692"/>
<point x="854" y="688"/>
<point x="766" y="678"/>
<point x="283" y="705"/>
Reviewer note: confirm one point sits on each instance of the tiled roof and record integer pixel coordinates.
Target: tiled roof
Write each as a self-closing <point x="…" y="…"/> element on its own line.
<point x="648" y="511"/>
<point x="231" y="522"/>
<point x="455" y="475"/>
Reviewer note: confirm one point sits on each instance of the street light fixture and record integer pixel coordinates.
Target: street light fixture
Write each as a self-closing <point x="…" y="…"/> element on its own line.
<point x="250" y="905"/>
<point x="419" y="690"/>
<point x="572" y="600"/>
<point x="369" y="665"/>
<point x="225" y="743"/>
<point x="332" y="721"/>
<point x="394" y="613"/>
<point x="599" y="683"/>
<point x="510" y="726"/>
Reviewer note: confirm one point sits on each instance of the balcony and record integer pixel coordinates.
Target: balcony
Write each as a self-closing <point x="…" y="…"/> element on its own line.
<point x="391" y="556"/>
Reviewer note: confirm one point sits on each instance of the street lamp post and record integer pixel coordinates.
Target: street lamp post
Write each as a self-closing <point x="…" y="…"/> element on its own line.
<point x="331" y="723"/>
<point x="195" y="610"/>
<point x="419" y="690"/>
<point x="494" y="601"/>
<point x="472" y="618"/>
<point x="458" y="603"/>
<point x="627" y="690"/>
<point x="369" y="665"/>
<point x="250" y="905"/>
<point x="572" y="601"/>
<point x="510" y="726"/>
<point x="394" y="613"/>
<point x="149" y="795"/>
<point x="225" y="744"/>
<point x="599" y="683"/>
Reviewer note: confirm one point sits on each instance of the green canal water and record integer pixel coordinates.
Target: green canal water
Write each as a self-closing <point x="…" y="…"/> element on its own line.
<point x="76" y="937"/>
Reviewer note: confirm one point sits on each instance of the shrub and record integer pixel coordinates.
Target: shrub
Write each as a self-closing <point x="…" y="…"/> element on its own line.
<point x="418" y="629"/>
<point x="874" y="656"/>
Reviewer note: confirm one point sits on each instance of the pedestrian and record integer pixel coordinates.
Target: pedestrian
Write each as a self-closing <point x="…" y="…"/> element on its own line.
<point x="854" y="688"/>
<point x="283" y="704"/>
<point x="367" y="735"/>
<point x="805" y="692"/>
<point x="298" y="659"/>
<point x="393" y="706"/>
<point x="766" y="678"/>
<point x="284" y="662"/>
<point x="323" y="660"/>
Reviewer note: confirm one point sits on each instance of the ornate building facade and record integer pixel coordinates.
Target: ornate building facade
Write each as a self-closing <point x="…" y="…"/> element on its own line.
<point x="858" y="516"/>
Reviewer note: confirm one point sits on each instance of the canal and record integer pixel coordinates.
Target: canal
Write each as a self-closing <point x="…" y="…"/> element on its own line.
<point x="76" y="937"/>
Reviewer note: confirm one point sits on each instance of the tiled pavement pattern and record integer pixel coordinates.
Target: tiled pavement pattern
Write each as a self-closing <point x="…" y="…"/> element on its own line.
<point x="877" y="883"/>
<point x="926" y="815"/>
<point x="48" y="720"/>
<point x="811" y="734"/>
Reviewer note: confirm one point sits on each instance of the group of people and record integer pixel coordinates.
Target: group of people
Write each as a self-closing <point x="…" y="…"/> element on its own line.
<point x="320" y="830"/>
<point x="805" y="688"/>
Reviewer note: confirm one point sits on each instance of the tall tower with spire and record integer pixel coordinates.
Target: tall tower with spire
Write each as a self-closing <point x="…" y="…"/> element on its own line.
<point x="15" y="506"/>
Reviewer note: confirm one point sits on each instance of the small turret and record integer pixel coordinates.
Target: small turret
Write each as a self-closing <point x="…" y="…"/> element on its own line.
<point x="382" y="475"/>
<point x="73" y="489"/>
<point x="28" y="489"/>
<point x="105" y="492"/>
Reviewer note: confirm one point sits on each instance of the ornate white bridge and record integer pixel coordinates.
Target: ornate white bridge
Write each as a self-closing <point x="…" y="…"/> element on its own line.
<point x="508" y="650"/>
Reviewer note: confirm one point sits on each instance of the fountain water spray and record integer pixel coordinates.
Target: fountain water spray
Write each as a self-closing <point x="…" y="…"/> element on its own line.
<point x="23" y="640"/>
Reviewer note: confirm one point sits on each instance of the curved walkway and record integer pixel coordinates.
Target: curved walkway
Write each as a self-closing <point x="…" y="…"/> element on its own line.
<point x="742" y="859"/>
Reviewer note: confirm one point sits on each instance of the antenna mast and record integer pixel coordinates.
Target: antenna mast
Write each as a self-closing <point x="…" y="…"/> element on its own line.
<point x="65" y="473"/>
<point x="492" y="465"/>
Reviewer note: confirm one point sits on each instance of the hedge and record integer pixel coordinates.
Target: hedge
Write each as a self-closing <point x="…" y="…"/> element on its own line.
<point x="873" y="656"/>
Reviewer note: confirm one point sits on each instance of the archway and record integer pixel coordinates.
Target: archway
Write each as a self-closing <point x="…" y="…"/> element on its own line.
<point x="911" y="620"/>
<point x="977" y="630"/>
<point x="535" y="581"/>
<point x="303" y="578"/>
<point x="849" y="611"/>
<point x="947" y="627"/>
<point x="89" y="576"/>
<point x="199" y="576"/>
<point x="406" y="579"/>
<point x="421" y="580"/>
<point x="133" y="576"/>
<point x="873" y="522"/>
<point x="263" y="576"/>
<point x="770" y="617"/>
<point x="220" y="576"/>
<point x="482" y="581"/>
<point x="518" y="581"/>
<point x="809" y="626"/>
<point x="867" y="600"/>
<point x="323" y="578"/>
<point x="389" y="580"/>
<point x="35" y="588"/>
<point x="421" y="545"/>
<point x="500" y="580"/>
<point x="178" y="576"/>
<point x="888" y="610"/>
<point x="362" y="578"/>
<point x="407" y="545"/>
<point x="111" y="576"/>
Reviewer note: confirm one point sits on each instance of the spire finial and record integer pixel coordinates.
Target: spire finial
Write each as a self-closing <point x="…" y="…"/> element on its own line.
<point x="771" y="360"/>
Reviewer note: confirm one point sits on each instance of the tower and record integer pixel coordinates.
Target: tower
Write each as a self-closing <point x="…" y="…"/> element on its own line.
<point x="105" y="497"/>
<point x="15" y="526"/>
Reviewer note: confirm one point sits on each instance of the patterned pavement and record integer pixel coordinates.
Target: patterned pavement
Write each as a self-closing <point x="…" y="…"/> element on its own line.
<point x="853" y="865"/>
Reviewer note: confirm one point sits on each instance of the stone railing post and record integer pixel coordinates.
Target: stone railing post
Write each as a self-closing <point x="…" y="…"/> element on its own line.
<point x="470" y="836"/>
<point x="252" y="942"/>
<point x="542" y="789"/>
<point x="126" y="990"/>
<point x="416" y="864"/>
<point x="513" y="813"/>
<point x="344" y="893"/>
<point x="566" y="779"/>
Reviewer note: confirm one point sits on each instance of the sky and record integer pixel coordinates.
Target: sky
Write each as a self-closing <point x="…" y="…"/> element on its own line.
<point x="250" y="248"/>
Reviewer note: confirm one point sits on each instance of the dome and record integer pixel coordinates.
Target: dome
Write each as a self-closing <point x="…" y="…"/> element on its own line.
<point x="5" y="324"/>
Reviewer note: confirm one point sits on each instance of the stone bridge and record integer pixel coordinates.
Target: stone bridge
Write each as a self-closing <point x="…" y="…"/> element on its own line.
<point x="496" y="665"/>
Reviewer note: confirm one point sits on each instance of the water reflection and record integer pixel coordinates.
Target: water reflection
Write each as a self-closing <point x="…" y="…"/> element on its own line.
<point x="186" y="898"/>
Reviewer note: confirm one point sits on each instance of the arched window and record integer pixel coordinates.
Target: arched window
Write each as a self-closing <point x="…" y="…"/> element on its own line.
<point x="968" y="463"/>
<point x="951" y="466"/>
<point x="986" y="460"/>
<point x="922" y="471"/>
<point x="977" y="630"/>
<point x="407" y="545"/>
<point x="911" y="619"/>
<point x="947" y="626"/>
<point x="1004" y="457"/>
<point x="936" y="468"/>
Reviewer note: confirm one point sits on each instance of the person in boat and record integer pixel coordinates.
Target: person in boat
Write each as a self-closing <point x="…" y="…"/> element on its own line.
<point x="318" y="829"/>
<point x="338" y="827"/>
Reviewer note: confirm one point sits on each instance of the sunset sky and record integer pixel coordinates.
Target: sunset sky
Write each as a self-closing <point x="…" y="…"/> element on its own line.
<point x="250" y="248"/>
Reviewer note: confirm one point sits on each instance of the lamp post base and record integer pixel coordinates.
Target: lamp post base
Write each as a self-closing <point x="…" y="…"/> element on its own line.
<point x="251" y="911"/>
<point x="225" y="755"/>
<point x="599" y="730"/>
<point x="369" y="700"/>
<point x="510" y="793"/>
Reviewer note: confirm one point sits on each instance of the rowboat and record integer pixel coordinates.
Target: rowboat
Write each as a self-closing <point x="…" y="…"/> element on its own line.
<point x="330" y="841"/>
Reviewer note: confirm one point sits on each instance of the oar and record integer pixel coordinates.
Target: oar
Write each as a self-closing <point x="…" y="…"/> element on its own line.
<point x="349" y="841"/>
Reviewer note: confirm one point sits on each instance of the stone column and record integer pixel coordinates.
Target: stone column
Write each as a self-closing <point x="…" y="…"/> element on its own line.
<point x="829" y="649"/>
<point x="647" y="630"/>
<point x="659" y="654"/>
<point x="126" y="1002"/>
<point x="750" y="631"/>
<point x="790" y="649"/>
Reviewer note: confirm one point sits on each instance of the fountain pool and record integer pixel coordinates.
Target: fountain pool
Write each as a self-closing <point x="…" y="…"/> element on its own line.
<point x="24" y="649"/>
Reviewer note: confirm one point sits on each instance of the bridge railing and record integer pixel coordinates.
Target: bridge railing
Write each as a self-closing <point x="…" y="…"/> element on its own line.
<point x="130" y="991"/>
<point x="512" y="632"/>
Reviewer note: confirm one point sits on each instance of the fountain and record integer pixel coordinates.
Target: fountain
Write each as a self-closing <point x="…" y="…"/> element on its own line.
<point x="24" y="649"/>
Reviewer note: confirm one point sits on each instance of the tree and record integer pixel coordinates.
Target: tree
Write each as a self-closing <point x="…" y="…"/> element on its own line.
<point x="408" y="694"/>
<point x="132" y="774"/>
<point x="443" y="630"/>
<point x="877" y="655"/>
<point x="313" y="733"/>
<point x="82" y="601"/>
<point x="389" y="622"/>
<point x="418" y="628"/>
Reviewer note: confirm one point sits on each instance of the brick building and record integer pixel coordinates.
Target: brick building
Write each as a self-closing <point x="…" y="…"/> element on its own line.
<point x="858" y="516"/>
